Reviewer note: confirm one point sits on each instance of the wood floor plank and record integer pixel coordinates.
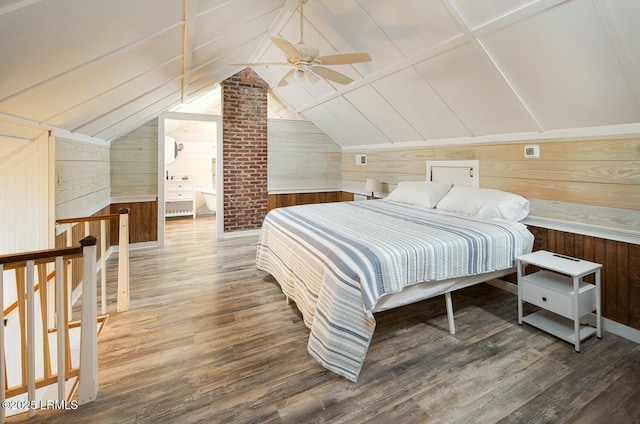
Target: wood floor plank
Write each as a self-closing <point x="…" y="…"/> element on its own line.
<point x="211" y="339"/>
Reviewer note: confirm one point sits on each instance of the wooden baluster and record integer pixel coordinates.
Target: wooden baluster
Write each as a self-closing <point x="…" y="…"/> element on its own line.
<point x="69" y="274"/>
<point x="88" y="379"/>
<point x="87" y="229"/>
<point x="65" y="324"/>
<point x="22" y="318"/>
<point x="61" y="328"/>
<point x="31" y="338"/>
<point x="44" y="315"/>
<point x="51" y="299"/>
<point x="103" y="267"/>
<point x="123" y="262"/>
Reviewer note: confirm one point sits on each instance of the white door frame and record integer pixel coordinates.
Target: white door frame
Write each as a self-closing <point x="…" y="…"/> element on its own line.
<point x="219" y="168"/>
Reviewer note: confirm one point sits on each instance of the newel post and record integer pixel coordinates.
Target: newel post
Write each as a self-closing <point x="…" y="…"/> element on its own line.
<point x="123" y="261"/>
<point x="88" y="384"/>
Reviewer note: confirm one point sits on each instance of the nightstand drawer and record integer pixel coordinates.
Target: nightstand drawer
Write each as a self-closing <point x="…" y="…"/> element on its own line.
<point x="554" y="292"/>
<point x="546" y="298"/>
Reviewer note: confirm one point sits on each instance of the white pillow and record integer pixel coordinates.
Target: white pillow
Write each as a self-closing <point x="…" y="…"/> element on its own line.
<point x="420" y="193"/>
<point x="485" y="203"/>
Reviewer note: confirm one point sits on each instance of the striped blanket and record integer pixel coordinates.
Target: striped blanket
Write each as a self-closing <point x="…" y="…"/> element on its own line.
<point x="336" y="260"/>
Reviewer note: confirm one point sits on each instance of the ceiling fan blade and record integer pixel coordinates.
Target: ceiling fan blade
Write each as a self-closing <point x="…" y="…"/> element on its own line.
<point x="289" y="50"/>
<point x="332" y="75"/>
<point x="286" y="78"/>
<point x="259" y="64"/>
<point x="344" y="59"/>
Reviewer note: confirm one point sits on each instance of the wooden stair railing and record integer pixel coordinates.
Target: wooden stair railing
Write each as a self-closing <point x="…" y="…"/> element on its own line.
<point x="122" y="216"/>
<point x="25" y="265"/>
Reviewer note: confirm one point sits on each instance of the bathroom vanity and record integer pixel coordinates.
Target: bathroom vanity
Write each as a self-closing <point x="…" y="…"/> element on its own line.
<point x="180" y="198"/>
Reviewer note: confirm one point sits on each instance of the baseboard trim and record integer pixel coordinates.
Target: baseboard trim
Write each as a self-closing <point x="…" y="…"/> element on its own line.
<point x="235" y="234"/>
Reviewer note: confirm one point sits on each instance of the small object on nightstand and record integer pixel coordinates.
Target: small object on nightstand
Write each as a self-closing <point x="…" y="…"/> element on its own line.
<point x="559" y="290"/>
<point x="371" y="186"/>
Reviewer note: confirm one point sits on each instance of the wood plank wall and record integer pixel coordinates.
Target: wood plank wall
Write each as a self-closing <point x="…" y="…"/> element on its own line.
<point x="301" y="157"/>
<point x="134" y="162"/>
<point x="82" y="177"/>
<point x="598" y="180"/>
<point x="590" y="172"/>
<point x="89" y="175"/>
<point x="388" y="166"/>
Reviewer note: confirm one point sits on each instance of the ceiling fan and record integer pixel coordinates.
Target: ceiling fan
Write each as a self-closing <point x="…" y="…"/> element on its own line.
<point x="307" y="62"/>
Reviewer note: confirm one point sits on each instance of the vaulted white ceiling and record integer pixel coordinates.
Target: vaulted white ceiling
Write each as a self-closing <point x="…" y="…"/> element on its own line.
<point x="440" y="69"/>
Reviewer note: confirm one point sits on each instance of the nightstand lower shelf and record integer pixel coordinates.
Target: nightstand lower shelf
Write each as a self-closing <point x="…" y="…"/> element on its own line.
<point x="557" y="325"/>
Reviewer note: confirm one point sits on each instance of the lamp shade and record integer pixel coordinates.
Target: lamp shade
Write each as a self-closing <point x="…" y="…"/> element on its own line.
<point x="372" y="185"/>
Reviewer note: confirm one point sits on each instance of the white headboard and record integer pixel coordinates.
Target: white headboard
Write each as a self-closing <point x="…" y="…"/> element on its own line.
<point x="456" y="172"/>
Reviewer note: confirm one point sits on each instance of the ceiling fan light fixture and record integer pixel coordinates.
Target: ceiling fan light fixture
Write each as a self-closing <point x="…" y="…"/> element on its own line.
<point x="298" y="75"/>
<point x="312" y="78"/>
<point x="306" y="60"/>
<point x="304" y="74"/>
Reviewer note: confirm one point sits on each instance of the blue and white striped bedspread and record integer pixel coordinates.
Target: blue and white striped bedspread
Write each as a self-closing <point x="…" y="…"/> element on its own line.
<point x="336" y="260"/>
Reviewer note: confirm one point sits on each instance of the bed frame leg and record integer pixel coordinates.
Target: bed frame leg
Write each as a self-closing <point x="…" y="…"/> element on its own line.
<point x="449" y="303"/>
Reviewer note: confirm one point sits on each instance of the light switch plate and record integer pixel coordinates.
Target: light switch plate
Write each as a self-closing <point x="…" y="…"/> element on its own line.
<point x="532" y="151"/>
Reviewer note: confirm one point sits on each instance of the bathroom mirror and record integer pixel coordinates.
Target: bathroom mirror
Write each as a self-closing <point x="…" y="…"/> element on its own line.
<point x="170" y="150"/>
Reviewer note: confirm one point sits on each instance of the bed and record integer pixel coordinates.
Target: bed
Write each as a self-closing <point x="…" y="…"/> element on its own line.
<point x="342" y="262"/>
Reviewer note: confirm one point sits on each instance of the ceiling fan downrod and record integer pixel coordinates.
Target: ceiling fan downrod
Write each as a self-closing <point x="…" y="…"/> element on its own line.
<point x="302" y="3"/>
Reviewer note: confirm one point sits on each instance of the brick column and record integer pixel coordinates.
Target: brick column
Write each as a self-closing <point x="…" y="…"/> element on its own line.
<point x="244" y="124"/>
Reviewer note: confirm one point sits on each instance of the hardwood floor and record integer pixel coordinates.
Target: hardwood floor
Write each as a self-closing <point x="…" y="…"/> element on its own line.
<point x="211" y="339"/>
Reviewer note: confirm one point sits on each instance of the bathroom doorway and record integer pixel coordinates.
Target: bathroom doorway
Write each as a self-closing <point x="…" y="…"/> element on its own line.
<point x="189" y="164"/>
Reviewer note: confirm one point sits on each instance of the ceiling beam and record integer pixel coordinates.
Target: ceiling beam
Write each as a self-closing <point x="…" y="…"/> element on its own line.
<point x="19" y="4"/>
<point x="190" y="8"/>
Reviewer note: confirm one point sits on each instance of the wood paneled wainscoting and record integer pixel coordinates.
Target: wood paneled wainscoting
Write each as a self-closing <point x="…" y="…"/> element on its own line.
<point x="292" y="199"/>
<point x="143" y="224"/>
<point x="143" y="221"/>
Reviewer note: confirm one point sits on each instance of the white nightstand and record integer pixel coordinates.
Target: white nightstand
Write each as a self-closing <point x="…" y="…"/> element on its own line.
<point x="559" y="290"/>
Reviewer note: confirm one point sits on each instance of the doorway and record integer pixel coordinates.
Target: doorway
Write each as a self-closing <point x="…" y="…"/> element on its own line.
<point x="185" y="140"/>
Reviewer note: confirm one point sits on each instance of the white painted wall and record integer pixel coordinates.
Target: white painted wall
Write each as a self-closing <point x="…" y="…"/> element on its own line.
<point x="26" y="197"/>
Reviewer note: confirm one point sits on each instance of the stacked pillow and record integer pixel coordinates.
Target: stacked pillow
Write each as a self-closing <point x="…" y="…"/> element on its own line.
<point x="485" y="203"/>
<point x="477" y="202"/>
<point x="420" y="193"/>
